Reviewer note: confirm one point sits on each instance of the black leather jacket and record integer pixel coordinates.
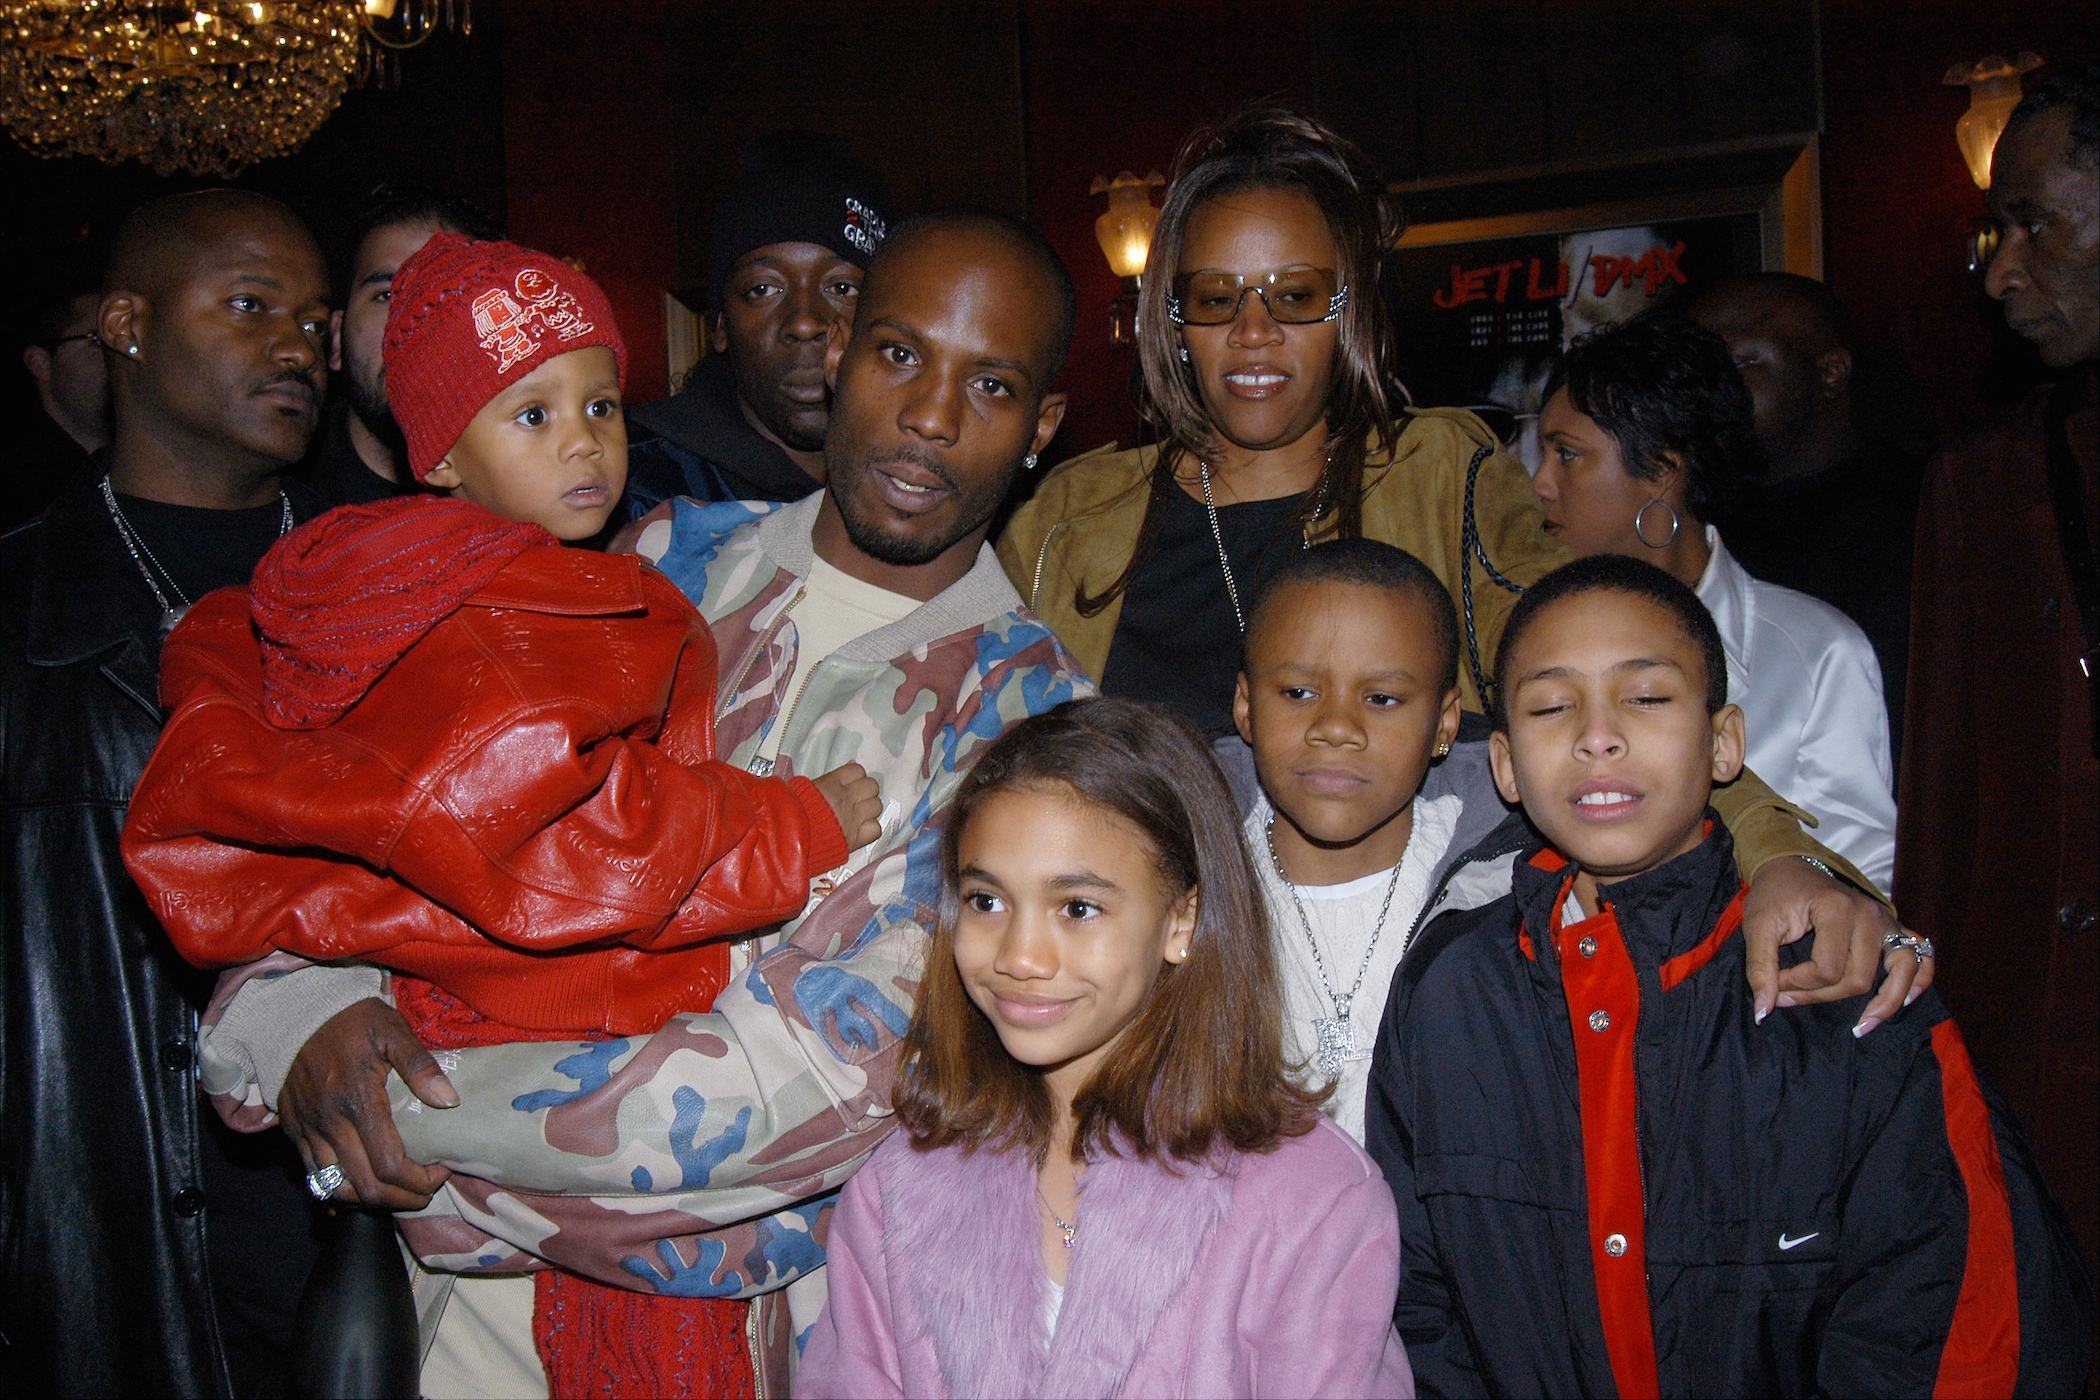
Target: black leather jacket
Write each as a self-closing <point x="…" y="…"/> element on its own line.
<point x="118" y="1201"/>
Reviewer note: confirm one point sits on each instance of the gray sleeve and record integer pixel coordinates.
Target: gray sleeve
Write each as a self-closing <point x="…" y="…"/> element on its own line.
<point x="249" y="1049"/>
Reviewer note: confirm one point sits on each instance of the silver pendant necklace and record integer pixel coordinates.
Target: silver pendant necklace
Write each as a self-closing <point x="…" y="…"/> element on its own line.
<point x="140" y="553"/>
<point x="1335" y="1035"/>
<point x="1065" y="1228"/>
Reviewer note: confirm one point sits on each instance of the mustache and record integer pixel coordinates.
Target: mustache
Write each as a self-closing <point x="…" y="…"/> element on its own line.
<point x="305" y="378"/>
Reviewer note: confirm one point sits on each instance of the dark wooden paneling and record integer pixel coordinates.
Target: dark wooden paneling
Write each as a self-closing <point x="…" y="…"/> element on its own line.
<point x="929" y="93"/>
<point x="1440" y="90"/>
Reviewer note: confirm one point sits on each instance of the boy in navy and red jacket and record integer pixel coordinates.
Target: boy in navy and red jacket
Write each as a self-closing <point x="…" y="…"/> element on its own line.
<point x="1612" y="1180"/>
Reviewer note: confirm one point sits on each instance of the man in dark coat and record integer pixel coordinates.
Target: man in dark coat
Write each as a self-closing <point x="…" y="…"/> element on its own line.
<point x="1997" y="843"/>
<point x="144" y="1250"/>
<point x="1835" y="509"/>
<point x="790" y="244"/>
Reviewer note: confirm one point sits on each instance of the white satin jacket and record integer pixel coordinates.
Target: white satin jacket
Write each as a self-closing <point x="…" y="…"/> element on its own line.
<point x="1810" y="689"/>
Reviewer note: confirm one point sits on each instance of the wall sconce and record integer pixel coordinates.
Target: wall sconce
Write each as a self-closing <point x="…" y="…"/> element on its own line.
<point x="1994" y="90"/>
<point x="1125" y="235"/>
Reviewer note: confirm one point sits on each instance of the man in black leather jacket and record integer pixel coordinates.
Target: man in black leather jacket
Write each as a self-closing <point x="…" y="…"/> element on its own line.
<point x="144" y="1249"/>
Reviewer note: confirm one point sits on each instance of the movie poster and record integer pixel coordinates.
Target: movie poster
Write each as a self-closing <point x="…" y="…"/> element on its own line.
<point x="1481" y="324"/>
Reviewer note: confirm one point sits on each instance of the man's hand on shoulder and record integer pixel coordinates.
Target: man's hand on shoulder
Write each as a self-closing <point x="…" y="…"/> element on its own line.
<point x="334" y="1105"/>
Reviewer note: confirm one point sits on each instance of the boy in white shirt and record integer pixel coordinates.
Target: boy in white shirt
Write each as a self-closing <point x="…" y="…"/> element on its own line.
<point x="1348" y="692"/>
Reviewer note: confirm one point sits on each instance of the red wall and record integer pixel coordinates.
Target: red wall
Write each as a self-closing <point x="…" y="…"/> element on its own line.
<point x="587" y="148"/>
<point x="1116" y="86"/>
<point x="1897" y="199"/>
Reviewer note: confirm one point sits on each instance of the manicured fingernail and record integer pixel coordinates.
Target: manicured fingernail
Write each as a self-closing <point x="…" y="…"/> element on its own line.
<point x="1866" y="1024"/>
<point x="1912" y="995"/>
<point x="1762" y="1012"/>
<point x="1785" y="1000"/>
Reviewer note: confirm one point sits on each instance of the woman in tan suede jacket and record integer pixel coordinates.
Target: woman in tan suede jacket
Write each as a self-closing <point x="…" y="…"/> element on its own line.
<point x="1266" y="357"/>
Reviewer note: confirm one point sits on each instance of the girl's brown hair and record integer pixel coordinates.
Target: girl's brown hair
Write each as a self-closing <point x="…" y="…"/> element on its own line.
<point x="1268" y="146"/>
<point x="1201" y="1066"/>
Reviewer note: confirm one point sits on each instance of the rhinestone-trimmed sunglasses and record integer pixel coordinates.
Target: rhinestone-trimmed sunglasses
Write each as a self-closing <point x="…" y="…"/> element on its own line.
<point x="1300" y="296"/>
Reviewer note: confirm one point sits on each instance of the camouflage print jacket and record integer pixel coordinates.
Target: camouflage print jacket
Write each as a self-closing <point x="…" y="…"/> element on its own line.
<point x="702" y="1160"/>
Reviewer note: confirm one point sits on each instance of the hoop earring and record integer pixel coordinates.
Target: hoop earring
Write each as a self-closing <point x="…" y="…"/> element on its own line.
<point x="1641" y="534"/>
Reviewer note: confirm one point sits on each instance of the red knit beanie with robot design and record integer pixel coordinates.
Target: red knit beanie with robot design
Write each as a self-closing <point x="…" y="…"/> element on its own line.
<point x="467" y="321"/>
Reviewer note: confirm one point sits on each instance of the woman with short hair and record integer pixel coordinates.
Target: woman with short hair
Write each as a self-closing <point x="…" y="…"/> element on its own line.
<point x="1647" y="438"/>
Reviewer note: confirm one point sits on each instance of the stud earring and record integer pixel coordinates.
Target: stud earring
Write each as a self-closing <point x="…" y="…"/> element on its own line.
<point x="1028" y="462"/>
<point x="131" y="349"/>
<point x="1442" y="750"/>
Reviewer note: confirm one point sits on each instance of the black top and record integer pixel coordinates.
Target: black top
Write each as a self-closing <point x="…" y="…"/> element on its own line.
<point x="334" y="470"/>
<point x="1177" y="641"/>
<point x="698" y="443"/>
<point x="1845" y="537"/>
<point x="206" y="549"/>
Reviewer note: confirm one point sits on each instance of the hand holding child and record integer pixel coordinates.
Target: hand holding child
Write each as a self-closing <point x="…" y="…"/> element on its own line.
<point x="856" y="800"/>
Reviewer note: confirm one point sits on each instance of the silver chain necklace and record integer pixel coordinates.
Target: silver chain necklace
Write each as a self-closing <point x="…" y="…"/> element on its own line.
<point x="141" y="553"/>
<point x="1217" y="535"/>
<point x="1336" y="1035"/>
<point x="1232" y="590"/>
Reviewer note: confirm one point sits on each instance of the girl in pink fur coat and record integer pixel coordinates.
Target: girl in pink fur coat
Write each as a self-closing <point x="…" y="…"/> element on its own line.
<point x="1106" y="1184"/>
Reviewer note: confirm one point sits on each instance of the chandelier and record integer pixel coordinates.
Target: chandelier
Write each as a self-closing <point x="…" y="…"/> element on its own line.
<point x="203" y="88"/>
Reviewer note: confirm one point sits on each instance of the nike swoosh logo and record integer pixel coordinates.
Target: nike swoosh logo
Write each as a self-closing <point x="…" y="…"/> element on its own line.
<point x="1785" y="1243"/>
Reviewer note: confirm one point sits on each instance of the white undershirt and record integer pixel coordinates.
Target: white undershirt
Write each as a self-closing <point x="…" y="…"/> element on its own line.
<point x="835" y="609"/>
<point x="1053" y="1306"/>
<point x="1343" y="918"/>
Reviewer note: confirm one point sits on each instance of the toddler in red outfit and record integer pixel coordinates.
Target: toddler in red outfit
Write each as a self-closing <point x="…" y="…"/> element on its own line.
<point x="430" y="737"/>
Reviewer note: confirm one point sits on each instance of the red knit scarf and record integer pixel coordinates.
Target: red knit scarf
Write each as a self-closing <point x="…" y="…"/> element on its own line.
<point x="596" y="1340"/>
<point x="341" y="598"/>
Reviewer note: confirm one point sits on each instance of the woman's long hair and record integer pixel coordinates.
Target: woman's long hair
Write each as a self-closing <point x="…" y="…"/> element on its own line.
<point x="1201" y="1066"/>
<point x="1268" y="146"/>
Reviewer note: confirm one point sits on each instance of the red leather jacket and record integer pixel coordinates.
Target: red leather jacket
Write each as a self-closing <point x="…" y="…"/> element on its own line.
<point x="534" y="776"/>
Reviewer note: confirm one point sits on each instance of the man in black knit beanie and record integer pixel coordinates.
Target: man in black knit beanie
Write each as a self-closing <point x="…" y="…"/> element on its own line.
<point x="791" y="240"/>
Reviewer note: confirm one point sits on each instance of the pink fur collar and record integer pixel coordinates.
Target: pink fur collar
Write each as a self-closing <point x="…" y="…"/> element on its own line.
<point x="964" y="1237"/>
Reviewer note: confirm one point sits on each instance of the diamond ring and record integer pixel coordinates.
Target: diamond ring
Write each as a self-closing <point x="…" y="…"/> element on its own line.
<point x="1921" y="948"/>
<point x="325" y="1182"/>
